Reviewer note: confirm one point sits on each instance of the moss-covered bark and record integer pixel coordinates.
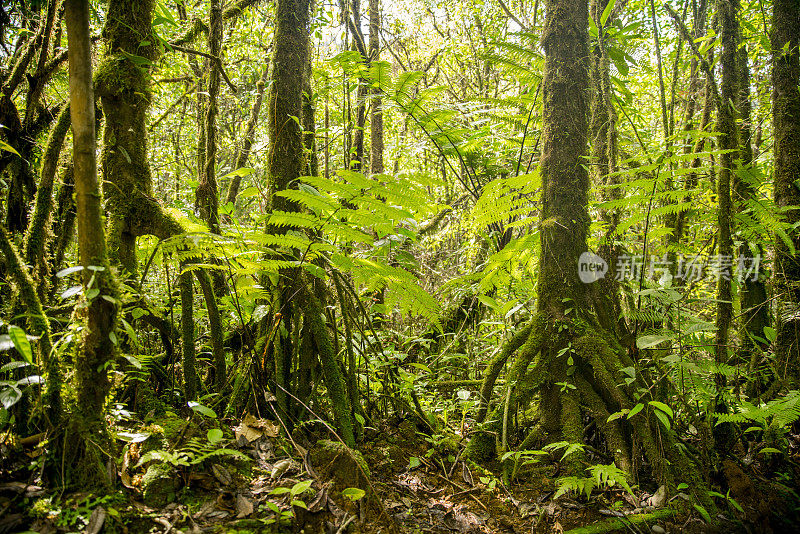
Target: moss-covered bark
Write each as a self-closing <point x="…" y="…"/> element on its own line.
<point x="604" y="154"/>
<point x="191" y="382"/>
<point x="38" y="325"/>
<point x="123" y="88"/>
<point x="215" y="329"/>
<point x="37" y="234"/>
<point x="570" y="360"/>
<point x="785" y="39"/>
<point x="99" y="308"/>
<point x="206" y="195"/>
<point x="755" y="307"/>
<point x="728" y="141"/>
<point x="295" y="303"/>
<point x="376" y="110"/>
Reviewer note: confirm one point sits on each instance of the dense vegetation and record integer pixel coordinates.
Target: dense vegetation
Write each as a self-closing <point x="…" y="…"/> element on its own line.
<point x="279" y="265"/>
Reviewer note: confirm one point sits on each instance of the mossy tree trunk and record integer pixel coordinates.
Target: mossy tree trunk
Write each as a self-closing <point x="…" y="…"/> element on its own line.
<point x="376" y="111"/>
<point x="754" y="300"/>
<point x="100" y="310"/>
<point x="294" y="302"/>
<point x="604" y="153"/>
<point x="786" y="126"/>
<point x="574" y="362"/>
<point x="37" y="234"/>
<point x="123" y="88"/>
<point x="207" y="196"/>
<point x="728" y="141"/>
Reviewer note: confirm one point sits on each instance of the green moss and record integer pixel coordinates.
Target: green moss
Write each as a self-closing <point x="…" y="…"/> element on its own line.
<point x="159" y="485"/>
<point x="338" y="462"/>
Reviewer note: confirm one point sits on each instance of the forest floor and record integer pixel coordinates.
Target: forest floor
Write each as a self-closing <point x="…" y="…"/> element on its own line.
<point x="177" y="477"/>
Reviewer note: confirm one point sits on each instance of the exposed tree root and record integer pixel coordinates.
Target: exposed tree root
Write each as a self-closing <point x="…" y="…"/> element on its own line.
<point x="577" y="372"/>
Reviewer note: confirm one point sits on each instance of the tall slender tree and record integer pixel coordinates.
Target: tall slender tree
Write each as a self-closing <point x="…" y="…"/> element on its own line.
<point x="376" y="111"/>
<point x="295" y="304"/>
<point x="207" y="194"/>
<point x="786" y="127"/>
<point x="100" y="310"/>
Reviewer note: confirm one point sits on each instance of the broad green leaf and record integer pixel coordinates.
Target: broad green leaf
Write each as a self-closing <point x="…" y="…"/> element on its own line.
<point x="69" y="270"/>
<point x="9" y="396"/>
<point x="8" y="148"/>
<point x="703" y="512"/>
<point x="636" y="409"/>
<point x="300" y="487"/>
<point x="353" y="494"/>
<point x="131" y="437"/>
<point x="214" y="435"/>
<point x="13" y="365"/>
<point x="489" y="301"/>
<point x="244" y="171"/>
<point x="71" y="292"/>
<point x="661" y="416"/>
<point x="645" y="342"/>
<point x="21" y="343"/>
<point x="770" y="333"/>
<point x="663" y="407"/>
<point x="606" y="12"/>
<point x="202" y="410"/>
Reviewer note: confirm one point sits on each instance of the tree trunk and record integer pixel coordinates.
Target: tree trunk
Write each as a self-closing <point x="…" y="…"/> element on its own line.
<point x="123" y="88"/>
<point x="286" y="165"/>
<point x="754" y="300"/>
<point x="786" y="127"/>
<point x="729" y="141"/>
<point x="97" y="345"/>
<point x="576" y="362"/>
<point x="207" y="195"/>
<point x="376" y="112"/>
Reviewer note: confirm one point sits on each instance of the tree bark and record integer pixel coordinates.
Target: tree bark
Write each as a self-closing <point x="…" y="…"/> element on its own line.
<point x="293" y="300"/>
<point x="207" y="194"/>
<point x="376" y="111"/>
<point x="786" y="126"/>
<point x="97" y="345"/>
<point x="729" y="141"/>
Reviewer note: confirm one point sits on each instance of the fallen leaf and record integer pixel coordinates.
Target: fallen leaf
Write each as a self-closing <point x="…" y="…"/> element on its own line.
<point x="659" y="498"/>
<point x="319" y="501"/>
<point x="222" y="475"/>
<point x="204" y="510"/>
<point x="124" y="475"/>
<point x="466" y="474"/>
<point x="96" y="520"/>
<point x="244" y="506"/>
<point x="280" y="468"/>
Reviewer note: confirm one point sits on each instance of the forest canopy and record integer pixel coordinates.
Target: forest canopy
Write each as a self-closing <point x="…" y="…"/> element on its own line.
<point x="414" y="266"/>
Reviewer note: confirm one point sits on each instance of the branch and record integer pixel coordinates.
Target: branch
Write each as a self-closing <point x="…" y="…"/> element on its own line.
<point x="215" y="59"/>
<point x="512" y="16"/>
<point x="171" y="107"/>
<point x="197" y="26"/>
<point x="703" y="61"/>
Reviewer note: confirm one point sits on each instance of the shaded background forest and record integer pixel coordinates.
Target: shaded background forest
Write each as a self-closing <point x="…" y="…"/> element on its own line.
<point x="332" y="229"/>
